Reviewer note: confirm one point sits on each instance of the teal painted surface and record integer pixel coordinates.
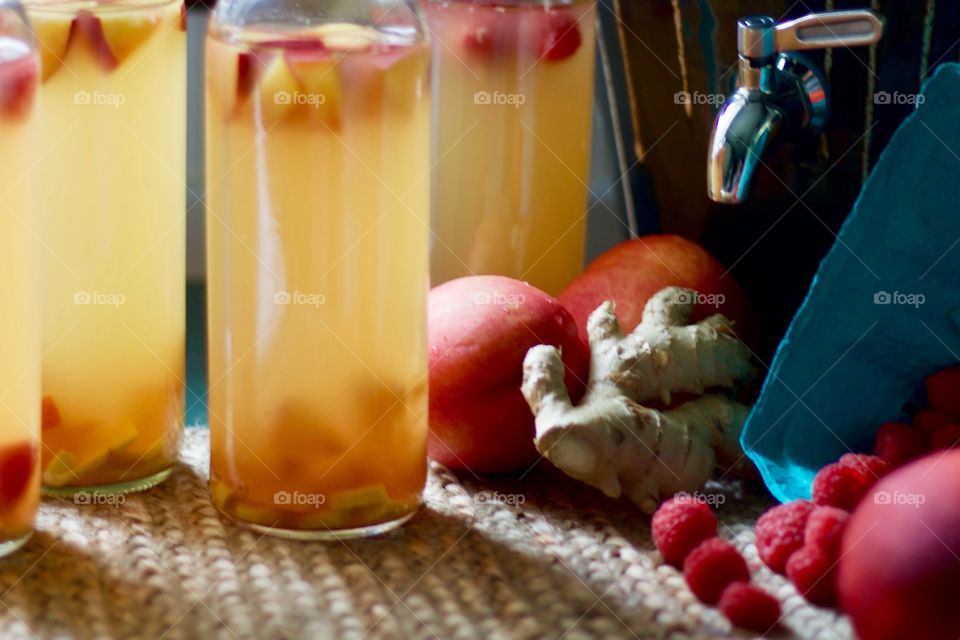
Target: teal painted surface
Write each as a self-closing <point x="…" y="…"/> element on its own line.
<point x="855" y="351"/>
<point x="196" y="396"/>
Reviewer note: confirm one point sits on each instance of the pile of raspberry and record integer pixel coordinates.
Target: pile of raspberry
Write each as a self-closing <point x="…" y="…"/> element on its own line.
<point x="801" y="539"/>
<point x="685" y="532"/>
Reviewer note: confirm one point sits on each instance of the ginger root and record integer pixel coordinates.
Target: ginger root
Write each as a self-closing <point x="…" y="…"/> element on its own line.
<point x="610" y="440"/>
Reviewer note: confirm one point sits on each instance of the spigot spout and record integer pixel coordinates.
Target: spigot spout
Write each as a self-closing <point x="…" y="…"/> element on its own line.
<point x="746" y="130"/>
<point x="780" y="95"/>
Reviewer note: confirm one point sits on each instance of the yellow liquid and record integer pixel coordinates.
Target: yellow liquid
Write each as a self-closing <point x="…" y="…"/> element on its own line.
<point x="513" y="144"/>
<point x="113" y="208"/>
<point x="317" y="250"/>
<point x="19" y="288"/>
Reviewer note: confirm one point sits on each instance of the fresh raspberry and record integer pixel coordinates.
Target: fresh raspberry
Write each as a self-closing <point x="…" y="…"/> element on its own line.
<point x="560" y="37"/>
<point x="712" y="566"/>
<point x="16" y="469"/>
<point x="679" y="525"/>
<point x="870" y="467"/>
<point x="943" y="391"/>
<point x="812" y="572"/>
<point x="49" y="413"/>
<point x="897" y="443"/>
<point x="841" y="487"/>
<point x="750" y="607"/>
<point x="825" y="529"/>
<point x="779" y="533"/>
<point x="491" y="35"/>
<point x="946" y="437"/>
<point x="927" y="421"/>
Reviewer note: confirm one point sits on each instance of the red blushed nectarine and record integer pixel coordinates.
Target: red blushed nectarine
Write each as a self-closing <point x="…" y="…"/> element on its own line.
<point x="899" y="573"/>
<point x="480" y="329"/>
<point x="632" y="272"/>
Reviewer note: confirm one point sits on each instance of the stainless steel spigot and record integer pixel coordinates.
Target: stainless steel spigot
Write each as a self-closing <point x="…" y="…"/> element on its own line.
<point x="780" y="96"/>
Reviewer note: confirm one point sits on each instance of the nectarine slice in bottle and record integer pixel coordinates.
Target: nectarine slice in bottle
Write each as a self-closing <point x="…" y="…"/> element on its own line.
<point x="278" y="88"/>
<point x="316" y="71"/>
<point x="91" y="446"/>
<point x="232" y="82"/>
<point x="115" y="35"/>
<point x="53" y="32"/>
<point x="16" y="468"/>
<point x="49" y="413"/>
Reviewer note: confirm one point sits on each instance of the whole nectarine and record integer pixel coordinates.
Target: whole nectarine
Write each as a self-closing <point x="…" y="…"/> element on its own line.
<point x="632" y="272"/>
<point x="480" y="329"/>
<point x="899" y="573"/>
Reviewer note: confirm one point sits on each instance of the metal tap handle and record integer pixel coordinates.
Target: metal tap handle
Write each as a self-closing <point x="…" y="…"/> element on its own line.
<point x="760" y="38"/>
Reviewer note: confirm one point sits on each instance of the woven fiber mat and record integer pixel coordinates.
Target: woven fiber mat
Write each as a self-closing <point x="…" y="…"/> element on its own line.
<point x="537" y="558"/>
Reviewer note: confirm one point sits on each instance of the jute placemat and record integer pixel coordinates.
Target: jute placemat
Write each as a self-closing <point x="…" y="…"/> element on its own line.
<point x="540" y="557"/>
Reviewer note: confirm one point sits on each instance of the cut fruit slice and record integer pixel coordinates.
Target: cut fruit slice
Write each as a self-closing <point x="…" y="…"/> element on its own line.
<point x="257" y="515"/>
<point x="361" y="507"/>
<point x="16" y="468"/>
<point x="129" y="458"/>
<point x="53" y="32"/>
<point x="49" y="413"/>
<point x="69" y="467"/>
<point x="220" y="493"/>
<point x="372" y="495"/>
<point x="316" y="72"/>
<point x="491" y="35"/>
<point x="559" y="36"/>
<point x="18" y="84"/>
<point x="231" y="79"/>
<point x="344" y="37"/>
<point x="115" y="35"/>
<point x="183" y="17"/>
<point x="278" y="91"/>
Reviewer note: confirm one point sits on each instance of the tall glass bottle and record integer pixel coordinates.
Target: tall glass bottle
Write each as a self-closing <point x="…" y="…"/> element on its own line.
<point x="514" y="92"/>
<point x="317" y="248"/>
<point x="19" y="282"/>
<point x="113" y="169"/>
